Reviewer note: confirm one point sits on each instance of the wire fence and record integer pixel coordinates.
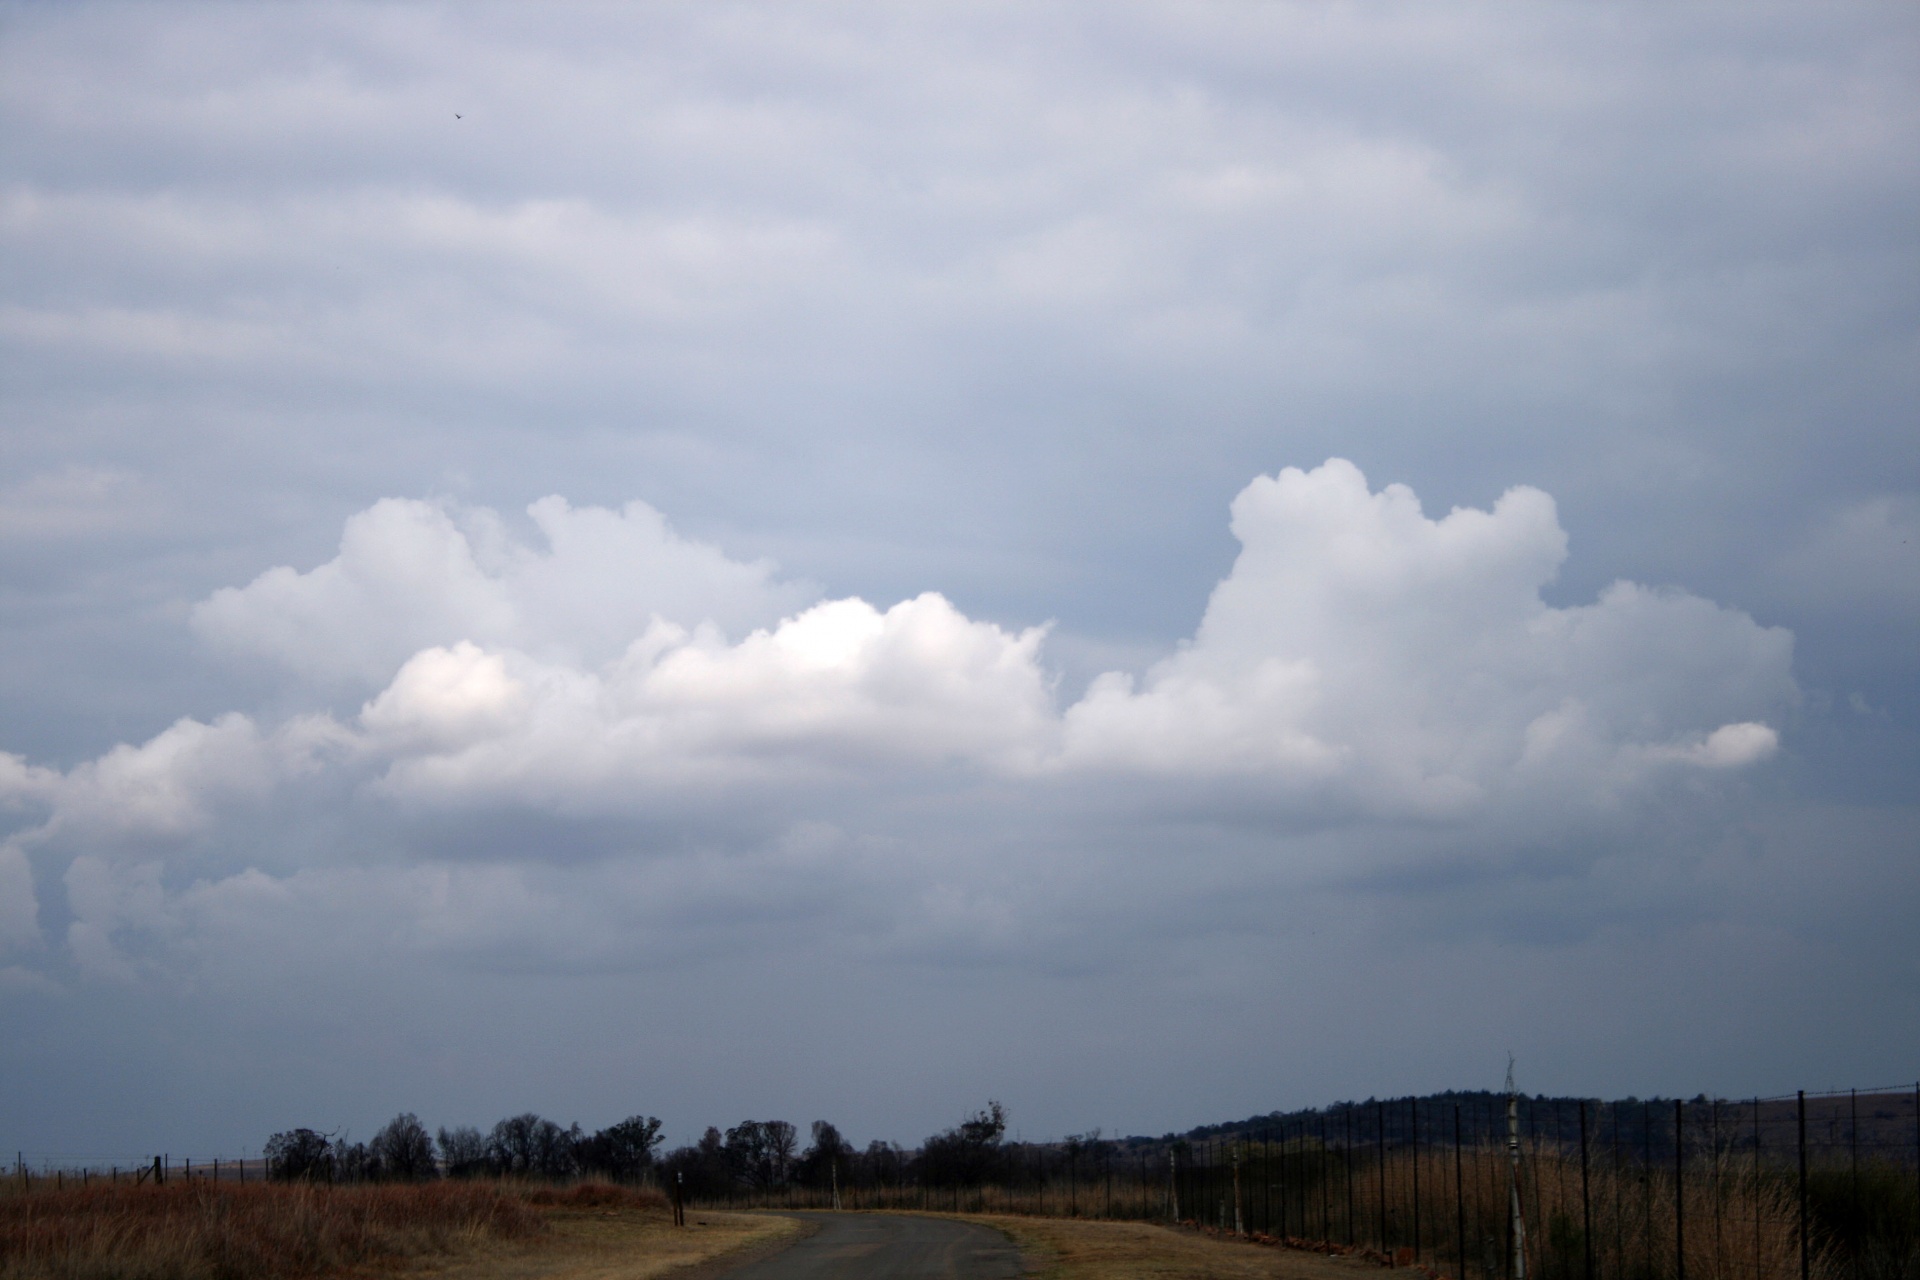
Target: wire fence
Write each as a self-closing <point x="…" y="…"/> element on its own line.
<point x="1800" y="1187"/>
<point x="1776" y="1188"/>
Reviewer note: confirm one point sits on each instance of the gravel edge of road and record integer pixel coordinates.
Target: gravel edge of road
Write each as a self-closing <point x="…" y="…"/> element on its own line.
<point x="717" y="1266"/>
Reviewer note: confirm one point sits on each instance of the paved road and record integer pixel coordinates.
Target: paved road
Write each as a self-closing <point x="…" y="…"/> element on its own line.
<point x="887" y="1246"/>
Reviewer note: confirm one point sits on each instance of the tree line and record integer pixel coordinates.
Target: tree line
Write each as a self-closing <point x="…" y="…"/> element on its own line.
<point x="752" y="1156"/>
<point x="523" y="1146"/>
<point x="765" y="1155"/>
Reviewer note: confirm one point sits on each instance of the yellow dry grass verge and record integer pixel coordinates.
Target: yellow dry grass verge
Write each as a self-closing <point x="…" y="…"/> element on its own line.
<point x="1069" y="1248"/>
<point x="616" y="1244"/>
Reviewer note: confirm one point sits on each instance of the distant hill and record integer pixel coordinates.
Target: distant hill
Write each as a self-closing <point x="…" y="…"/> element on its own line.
<point x="1881" y="1124"/>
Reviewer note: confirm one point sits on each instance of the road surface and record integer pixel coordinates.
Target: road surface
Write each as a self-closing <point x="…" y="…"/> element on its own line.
<point x="887" y="1246"/>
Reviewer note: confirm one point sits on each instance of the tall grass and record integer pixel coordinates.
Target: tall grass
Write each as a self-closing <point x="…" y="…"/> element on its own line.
<point x="200" y="1230"/>
<point x="1870" y="1217"/>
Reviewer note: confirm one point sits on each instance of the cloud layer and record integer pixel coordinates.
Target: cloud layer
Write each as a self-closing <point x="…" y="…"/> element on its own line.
<point x="1019" y="768"/>
<point x="1362" y="662"/>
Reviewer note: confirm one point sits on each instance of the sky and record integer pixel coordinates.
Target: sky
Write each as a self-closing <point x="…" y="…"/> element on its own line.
<point x="1152" y="562"/>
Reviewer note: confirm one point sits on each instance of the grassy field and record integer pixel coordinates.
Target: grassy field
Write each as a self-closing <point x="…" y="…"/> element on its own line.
<point x="1079" y="1249"/>
<point x="459" y="1231"/>
<point x="617" y="1245"/>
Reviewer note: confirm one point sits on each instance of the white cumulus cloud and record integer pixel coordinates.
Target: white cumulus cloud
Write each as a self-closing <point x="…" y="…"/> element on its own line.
<point x="1361" y="659"/>
<point x="414" y="574"/>
<point x="1361" y="662"/>
<point x="839" y="687"/>
<point x="1363" y="653"/>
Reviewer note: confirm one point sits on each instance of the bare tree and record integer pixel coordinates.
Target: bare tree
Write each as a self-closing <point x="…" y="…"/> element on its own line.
<point x="403" y="1150"/>
<point x="761" y="1152"/>
<point x="782" y="1146"/>
<point x="532" y="1147"/>
<point x="623" y="1150"/>
<point x="463" y="1151"/>
<point x="299" y="1155"/>
<point x="828" y="1152"/>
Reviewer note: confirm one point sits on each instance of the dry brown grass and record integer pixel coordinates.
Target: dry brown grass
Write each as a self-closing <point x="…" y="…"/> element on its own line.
<point x="1071" y="1248"/>
<point x="617" y="1245"/>
<point x="206" y="1231"/>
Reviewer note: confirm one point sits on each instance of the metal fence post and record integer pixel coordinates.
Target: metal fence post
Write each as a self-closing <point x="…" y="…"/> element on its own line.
<point x="1806" y="1252"/>
<point x="1586" y="1200"/>
<point x="1239" y="1224"/>
<point x="1264" y="1139"/>
<point x="1326" y="1203"/>
<point x="1545" y="1240"/>
<point x="1719" y="1244"/>
<point x="1346" y="1159"/>
<point x="1679" y="1190"/>
<point x="1173" y="1186"/>
<point x="1756" y="1185"/>
<point x="1646" y="1175"/>
<point x="1512" y="1215"/>
<point x="1300" y="1187"/>
<point x="1283" y="1179"/>
<point x="1459" y="1196"/>
<point x="1299" y="1182"/>
<point x="1380" y="1175"/>
<point x="1853" y="1145"/>
<point x="1413" y="1122"/>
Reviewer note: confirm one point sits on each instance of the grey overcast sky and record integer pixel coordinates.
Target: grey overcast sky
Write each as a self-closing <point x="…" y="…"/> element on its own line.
<point x="1148" y="561"/>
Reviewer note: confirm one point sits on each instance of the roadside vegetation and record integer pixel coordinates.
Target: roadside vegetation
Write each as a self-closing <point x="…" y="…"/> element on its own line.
<point x="1076" y="1249"/>
<point x="200" y="1230"/>
<point x="196" y="1229"/>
